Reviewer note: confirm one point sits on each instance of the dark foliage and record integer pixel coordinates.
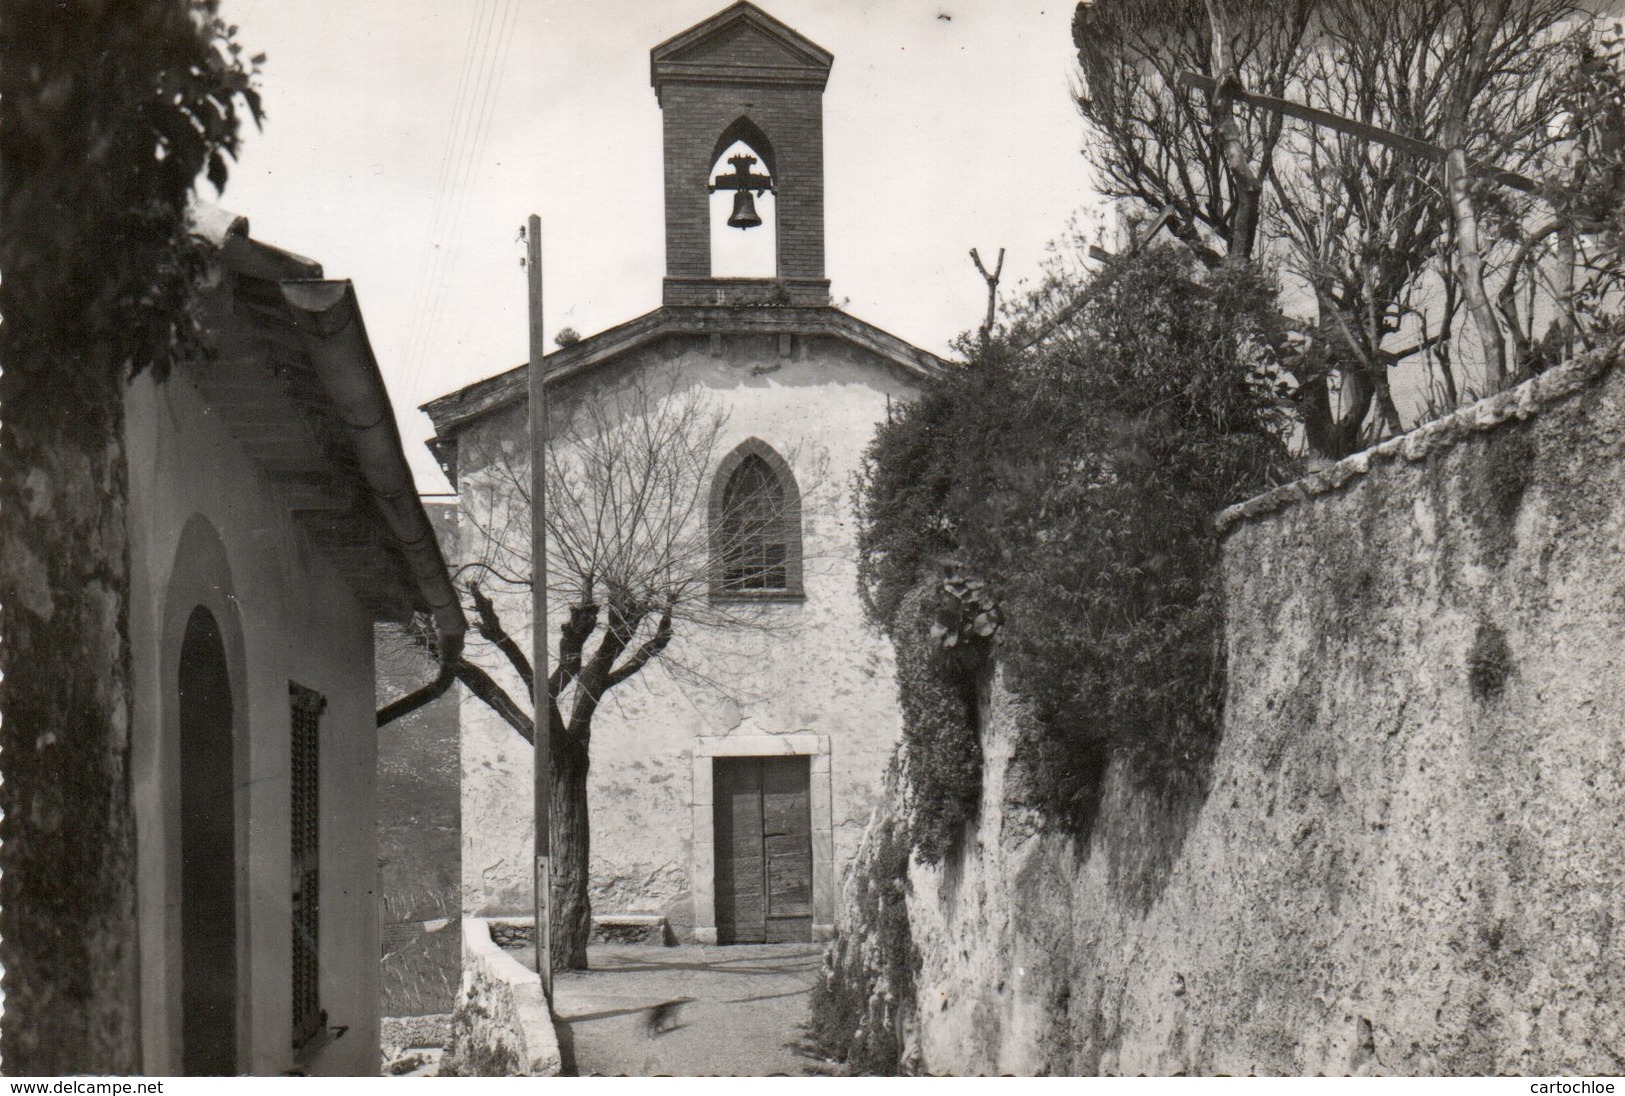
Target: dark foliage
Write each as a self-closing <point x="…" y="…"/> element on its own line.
<point x="108" y="113"/>
<point x="1081" y="480"/>
<point x="942" y="748"/>
<point x="903" y="486"/>
<point x="867" y="981"/>
<point x="113" y="110"/>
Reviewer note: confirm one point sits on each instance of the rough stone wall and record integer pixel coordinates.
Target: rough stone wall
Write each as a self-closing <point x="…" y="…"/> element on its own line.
<point x="1409" y="859"/>
<point x="70" y="951"/>
<point x="818" y="670"/>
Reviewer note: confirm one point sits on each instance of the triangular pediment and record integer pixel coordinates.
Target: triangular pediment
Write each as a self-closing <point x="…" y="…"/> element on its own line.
<point x="742" y="36"/>
<point x="742" y="43"/>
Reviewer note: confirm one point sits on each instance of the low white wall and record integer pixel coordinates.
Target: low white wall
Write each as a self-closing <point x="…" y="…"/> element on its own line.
<point x="502" y="1026"/>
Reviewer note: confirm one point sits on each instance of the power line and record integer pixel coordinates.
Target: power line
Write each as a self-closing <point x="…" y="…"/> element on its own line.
<point x="437" y="209"/>
<point x="476" y="131"/>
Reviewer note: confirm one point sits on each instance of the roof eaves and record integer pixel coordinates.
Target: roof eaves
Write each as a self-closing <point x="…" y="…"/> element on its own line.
<point x="450" y="412"/>
<point x="329" y="316"/>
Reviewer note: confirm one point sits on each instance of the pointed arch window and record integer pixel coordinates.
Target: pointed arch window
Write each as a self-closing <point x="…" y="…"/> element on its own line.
<point x="755" y="526"/>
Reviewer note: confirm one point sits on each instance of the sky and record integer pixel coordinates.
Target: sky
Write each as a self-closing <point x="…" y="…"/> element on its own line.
<point x="406" y="141"/>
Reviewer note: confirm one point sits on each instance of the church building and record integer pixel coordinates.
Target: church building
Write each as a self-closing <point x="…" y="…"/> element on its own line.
<point x="728" y="789"/>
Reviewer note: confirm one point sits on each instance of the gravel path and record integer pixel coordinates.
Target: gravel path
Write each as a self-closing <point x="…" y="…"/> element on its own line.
<point x="731" y="1011"/>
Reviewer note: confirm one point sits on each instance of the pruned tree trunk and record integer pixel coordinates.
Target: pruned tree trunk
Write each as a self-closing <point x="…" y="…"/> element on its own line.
<point x="992" y="281"/>
<point x="572" y="853"/>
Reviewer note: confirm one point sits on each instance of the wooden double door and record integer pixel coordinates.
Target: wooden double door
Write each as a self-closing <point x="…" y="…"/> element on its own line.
<point x="763" y="849"/>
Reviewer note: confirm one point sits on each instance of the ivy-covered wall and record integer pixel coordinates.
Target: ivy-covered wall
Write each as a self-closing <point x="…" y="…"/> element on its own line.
<point x="1406" y="856"/>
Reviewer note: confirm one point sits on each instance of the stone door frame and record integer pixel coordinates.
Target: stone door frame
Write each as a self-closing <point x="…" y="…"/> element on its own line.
<point x="820" y="804"/>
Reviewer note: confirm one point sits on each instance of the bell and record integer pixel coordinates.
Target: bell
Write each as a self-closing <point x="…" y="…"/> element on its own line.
<point x="744" y="214"/>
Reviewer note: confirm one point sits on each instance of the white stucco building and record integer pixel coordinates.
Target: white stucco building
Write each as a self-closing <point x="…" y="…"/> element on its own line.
<point x="727" y="798"/>
<point x="272" y="521"/>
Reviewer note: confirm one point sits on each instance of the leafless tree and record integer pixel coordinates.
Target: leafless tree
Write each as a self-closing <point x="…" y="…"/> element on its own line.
<point x="636" y="560"/>
<point x="1152" y="144"/>
<point x="1386" y="247"/>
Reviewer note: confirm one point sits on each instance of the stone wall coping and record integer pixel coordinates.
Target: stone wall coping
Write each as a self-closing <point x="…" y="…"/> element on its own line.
<point x="1519" y="402"/>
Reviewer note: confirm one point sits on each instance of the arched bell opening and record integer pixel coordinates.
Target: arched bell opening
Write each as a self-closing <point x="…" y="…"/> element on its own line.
<point x="744" y="212"/>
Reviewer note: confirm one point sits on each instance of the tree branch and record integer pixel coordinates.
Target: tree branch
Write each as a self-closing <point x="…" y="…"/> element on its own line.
<point x="482" y="686"/>
<point x="490" y="629"/>
<point x="646" y="651"/>
<point x="1506" y="301"/>
<point x="594" y="676"/>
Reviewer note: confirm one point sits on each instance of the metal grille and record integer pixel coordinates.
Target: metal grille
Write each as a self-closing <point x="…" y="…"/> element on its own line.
<point x="305" y="826"/>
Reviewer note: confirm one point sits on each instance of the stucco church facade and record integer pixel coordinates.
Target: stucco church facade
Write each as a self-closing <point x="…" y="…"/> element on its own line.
<point x="729" y="797"/>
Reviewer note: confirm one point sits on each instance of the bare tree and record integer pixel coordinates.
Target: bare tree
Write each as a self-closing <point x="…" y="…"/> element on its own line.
<point x="636" y="559"/>
<point x="1355" y="186"/>
<point x="1391" y="241"/>
<point x="1568" y="264"/>
<point x="1152" y="144"/>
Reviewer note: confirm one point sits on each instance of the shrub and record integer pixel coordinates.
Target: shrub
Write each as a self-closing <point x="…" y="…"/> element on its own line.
<point x="867" y="981"/>
<point x="1080" y="480"/>
<point x="941" y="754"/>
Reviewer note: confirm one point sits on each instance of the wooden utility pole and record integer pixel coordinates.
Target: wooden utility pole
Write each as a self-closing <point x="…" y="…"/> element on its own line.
<point x="542" y="704"/>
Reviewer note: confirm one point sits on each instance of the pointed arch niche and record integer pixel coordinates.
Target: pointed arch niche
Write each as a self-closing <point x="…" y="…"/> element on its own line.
<point x="755" y="521"/>
<point x="752" y="252"/>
